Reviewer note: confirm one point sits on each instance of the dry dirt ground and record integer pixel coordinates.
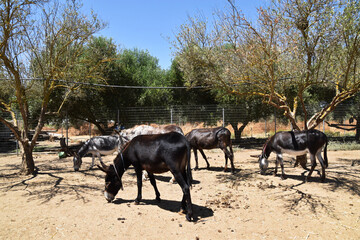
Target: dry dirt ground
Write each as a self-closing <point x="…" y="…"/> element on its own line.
<point x="59" y="203"/>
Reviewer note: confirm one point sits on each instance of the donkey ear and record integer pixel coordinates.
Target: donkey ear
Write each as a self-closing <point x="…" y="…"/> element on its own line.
<point x="103" y="167"/>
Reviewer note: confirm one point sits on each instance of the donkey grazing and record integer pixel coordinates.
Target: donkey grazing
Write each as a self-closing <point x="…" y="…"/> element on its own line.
<point x="156" y="154"/>
<point x="209" y="138"/>
<point x="295" y="143"/>
<point x="96" y="146"/>
<point x="130" y="133"/>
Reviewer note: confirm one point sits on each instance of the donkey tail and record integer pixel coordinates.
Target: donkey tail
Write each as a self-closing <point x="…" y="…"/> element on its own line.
<point x="188" y="170"/>
<point x="325" y="154"/>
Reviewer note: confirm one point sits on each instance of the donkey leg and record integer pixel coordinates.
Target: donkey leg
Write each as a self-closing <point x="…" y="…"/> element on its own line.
<point x="139" y="185"/>
<point x="321" y="160"/>
<point x="226" y="161"/>
<point x="283" y="176"/>
<point x="186" y="200"/>
<point x="93" y="160"/>
<point x="276" y="165"/>
<point x="153" y="183"/>
<point x="196" y="159"/>
<point x="231" y="158"/>
<point x="179" y="179"/>
<point x="228" y="154"/>
<point x="223" y="148"/>
<point x="313" y="165"/>
<point x="204" y="156"/>
<point x="145" y="175"/>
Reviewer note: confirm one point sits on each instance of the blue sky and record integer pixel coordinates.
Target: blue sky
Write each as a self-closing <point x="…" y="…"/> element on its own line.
<point x="148" y="24"/>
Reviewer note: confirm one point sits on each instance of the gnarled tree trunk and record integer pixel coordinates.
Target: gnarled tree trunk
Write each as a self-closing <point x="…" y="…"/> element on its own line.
<point x="238" y="131"/>
<point x="357" y="134"/>
<point x="27" y="163"/>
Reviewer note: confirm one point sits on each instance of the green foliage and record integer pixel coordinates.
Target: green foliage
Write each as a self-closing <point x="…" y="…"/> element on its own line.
<point x="187" y="96"/>
<point x="147" y="72"/>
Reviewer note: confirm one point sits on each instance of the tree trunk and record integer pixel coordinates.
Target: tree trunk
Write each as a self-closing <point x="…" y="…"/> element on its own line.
<point x="357" y="134"/>
<point x="99" y="127"/>
<point x="238" y="131"/>
<point x="302" y="160"/>
<point x="27" y="164"/>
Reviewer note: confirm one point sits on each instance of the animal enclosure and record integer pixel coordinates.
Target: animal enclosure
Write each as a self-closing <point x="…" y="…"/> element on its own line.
<point x="187" y="117"/>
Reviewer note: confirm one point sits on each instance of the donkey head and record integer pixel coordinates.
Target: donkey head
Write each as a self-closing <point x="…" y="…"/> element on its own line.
<point x="77" y="161"/>
<point x="113" y="181"/>
<point x="263" y="163"/>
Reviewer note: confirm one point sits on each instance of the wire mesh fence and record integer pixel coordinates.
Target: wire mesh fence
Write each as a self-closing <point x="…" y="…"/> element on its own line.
<point x="187" y="117"/>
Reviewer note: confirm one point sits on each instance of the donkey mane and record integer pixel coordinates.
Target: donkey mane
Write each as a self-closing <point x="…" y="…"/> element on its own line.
<point x="265" y="150"/>
<point x="84" y="149"/>
<point x="125" y="146"/>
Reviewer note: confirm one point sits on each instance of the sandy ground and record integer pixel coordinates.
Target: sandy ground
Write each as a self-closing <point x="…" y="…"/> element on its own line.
<point x="59" y="203"/>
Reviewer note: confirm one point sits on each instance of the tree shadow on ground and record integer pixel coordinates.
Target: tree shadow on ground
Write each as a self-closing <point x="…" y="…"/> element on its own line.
<point x="199" y="212"/>
<point x="344" y="176"/>
<point x="48" y="183"/>
<point x="240" y="175"/>
<point x="338" y="176"/>
<point x="161" y="178"/>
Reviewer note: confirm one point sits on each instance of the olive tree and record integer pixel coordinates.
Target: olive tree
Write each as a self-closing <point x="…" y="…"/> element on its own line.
<point x="292" y="46"/>
<point x="40" y="45"/>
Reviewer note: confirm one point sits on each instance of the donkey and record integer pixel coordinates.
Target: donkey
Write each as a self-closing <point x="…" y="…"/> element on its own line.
<point x="295" y="143"/>
<point x="130" y="133"/>
<point x="209" y="138"/>
<point x="156" y="154"/>
<point x="96" y="146"/>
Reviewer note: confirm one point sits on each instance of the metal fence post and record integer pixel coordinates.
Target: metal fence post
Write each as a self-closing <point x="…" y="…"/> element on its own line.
<point x="17" y="141"/>
<point x="223" y="113"/>
<point x="171" y="115"/>
<point x="90" y="129"/>
<point x="265" y="127"/>
<point x="67" y="129"/>
<point x="275" y="120"/>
